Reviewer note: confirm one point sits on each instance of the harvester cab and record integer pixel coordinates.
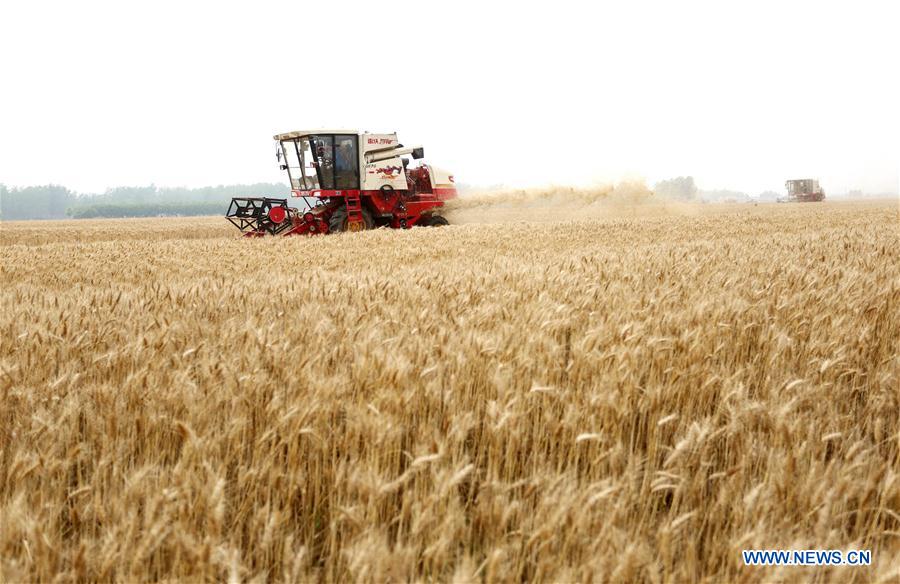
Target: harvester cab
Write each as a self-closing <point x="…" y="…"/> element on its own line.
<point x="349" y="181"/>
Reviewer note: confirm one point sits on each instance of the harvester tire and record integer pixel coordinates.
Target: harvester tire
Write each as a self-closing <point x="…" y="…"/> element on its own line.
<point x="338" y="221"/>
<point x="435" y="221"/>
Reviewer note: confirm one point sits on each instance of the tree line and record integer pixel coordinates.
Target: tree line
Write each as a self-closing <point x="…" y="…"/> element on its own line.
<point x="58" y="202"/>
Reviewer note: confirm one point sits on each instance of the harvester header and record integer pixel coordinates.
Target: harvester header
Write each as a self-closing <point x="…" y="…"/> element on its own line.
<point x="355" y="180"/>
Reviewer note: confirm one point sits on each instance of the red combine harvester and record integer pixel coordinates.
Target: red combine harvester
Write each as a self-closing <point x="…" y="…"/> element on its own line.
<point x="349" y="181"/>
<point x="804" y="190"/>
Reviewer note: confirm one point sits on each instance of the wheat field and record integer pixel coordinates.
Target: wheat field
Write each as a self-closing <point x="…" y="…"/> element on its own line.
<point x="636" y="393"/>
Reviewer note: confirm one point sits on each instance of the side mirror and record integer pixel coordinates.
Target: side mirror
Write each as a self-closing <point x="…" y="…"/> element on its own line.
<point x="418" y="153"/>
<point x="278" y="153"/>
<point x="284" y="167"/>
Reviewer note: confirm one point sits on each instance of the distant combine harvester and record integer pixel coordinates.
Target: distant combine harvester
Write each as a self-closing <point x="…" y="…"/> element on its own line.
<point x="803" y="190"/>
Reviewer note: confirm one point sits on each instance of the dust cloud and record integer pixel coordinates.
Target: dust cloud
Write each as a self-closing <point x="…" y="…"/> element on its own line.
<point x="624" y="199"/>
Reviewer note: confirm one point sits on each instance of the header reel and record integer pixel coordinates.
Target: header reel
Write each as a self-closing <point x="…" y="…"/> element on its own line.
<point x="260" y="215"/>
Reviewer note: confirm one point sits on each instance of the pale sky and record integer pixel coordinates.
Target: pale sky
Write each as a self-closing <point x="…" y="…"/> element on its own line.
<point x="741" y="96"/>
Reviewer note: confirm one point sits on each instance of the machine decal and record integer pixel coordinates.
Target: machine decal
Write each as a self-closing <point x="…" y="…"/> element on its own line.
<point x="387" y="171"/>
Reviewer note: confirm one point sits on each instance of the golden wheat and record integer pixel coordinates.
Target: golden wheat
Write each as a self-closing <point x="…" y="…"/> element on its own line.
<point x="627" y="397"/>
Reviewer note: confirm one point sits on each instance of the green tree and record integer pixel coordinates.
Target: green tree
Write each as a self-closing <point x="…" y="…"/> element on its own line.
<point x="57" y="202"/>
<point x="681" y="188"/>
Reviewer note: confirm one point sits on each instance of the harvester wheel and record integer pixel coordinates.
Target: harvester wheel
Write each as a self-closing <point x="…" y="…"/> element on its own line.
<point x="435" y="221"/>
<point x="338" y="221"/>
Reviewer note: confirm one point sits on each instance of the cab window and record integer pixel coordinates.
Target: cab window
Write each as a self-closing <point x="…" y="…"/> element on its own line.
<point x="323" y="151"/>
<point x="337" y="160"/>
<point x="346" y="163"/>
